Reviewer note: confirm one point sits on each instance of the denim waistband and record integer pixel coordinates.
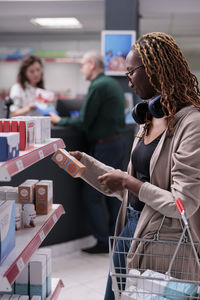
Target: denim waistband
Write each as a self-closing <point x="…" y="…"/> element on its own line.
<point x="132" y="213"/>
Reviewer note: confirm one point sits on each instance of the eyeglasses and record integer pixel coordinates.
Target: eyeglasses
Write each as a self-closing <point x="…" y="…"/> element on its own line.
<point x="130" y="73"/>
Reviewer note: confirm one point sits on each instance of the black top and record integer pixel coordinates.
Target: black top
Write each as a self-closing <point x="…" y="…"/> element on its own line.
<point x="141" y="157"/>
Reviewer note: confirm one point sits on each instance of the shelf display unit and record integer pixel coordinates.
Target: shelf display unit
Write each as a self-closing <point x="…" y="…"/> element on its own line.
<point x="28" y="240"/>
<point x="28" y="158"/>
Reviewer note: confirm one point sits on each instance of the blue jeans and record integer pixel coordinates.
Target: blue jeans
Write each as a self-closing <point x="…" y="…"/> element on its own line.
<point x="100" y="210"/>
<point x="122" y="246"/>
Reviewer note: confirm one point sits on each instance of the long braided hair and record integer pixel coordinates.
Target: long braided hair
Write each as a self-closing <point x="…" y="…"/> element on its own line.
<point x="169" y="74"/>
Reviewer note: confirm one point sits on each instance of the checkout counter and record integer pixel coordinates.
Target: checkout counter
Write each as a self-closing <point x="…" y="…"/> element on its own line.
<point x="67" y="190"/>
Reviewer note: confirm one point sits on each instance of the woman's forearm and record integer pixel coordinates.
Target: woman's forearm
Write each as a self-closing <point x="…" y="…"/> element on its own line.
<point x="132" y="184"/>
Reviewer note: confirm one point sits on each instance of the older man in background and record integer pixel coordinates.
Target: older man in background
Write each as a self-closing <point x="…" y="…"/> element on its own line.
<point x="102" y="121"/>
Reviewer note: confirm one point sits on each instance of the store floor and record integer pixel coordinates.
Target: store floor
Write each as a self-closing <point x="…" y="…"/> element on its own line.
<point x="84" y="275"/>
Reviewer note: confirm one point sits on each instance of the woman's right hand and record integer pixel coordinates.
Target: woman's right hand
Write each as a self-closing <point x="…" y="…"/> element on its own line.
<point x="77" y="154"/>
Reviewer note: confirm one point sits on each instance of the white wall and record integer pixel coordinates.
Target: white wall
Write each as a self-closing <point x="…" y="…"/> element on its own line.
<point x="62" y="77"/>
<point x="59" y="77"/>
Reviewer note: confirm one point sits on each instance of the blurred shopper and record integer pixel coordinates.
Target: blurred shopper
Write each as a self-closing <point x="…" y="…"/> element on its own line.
<point x="102" y="121"/>
<point x="164" y="163"/>
<point x="23" y="93"/>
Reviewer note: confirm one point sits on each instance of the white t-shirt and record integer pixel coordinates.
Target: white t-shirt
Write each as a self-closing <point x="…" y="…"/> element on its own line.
<point x="23" y="97"/>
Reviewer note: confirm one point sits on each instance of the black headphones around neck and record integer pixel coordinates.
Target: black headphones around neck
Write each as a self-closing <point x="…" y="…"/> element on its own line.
<point x="154" y="107"/>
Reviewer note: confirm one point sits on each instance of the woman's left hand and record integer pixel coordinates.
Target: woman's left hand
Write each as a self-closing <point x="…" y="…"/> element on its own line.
<point x="113" y="181"/>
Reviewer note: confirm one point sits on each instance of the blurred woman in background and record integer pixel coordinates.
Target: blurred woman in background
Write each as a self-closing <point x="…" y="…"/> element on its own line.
<point x="23" y="93"/>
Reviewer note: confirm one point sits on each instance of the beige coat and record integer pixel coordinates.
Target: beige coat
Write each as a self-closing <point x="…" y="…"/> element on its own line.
<point x="174" y="172"/>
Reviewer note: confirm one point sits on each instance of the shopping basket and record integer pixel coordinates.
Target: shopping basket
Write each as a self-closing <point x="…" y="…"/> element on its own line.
<point x="159" y="269"/>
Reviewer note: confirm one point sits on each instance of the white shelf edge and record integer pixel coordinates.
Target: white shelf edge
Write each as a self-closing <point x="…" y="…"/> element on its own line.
<point x="21" y="254"/>
<point x="28" y="158"/>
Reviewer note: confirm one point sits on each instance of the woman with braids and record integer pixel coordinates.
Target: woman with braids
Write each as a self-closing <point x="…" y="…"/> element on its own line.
<point x="23" y="92"/>
<point x="165" y="159"/>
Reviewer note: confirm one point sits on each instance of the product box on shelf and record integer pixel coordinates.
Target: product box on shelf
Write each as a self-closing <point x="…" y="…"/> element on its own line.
<point x="27" y="134"/>
<point x="69" y="163"/>
<point x="14" y="297"/>
<point x="33" y="183"/>
<point x="37" y="269"/>
<point x="42" y="129"/>
<point x="36" y="298"/>
<point x="44" y="196"/>
<point x="28" y="215"/>
<point x="1" y="125"/>
<point x="9" y="145"/>
<point x="5" y="297"/>
<point x="26" y="129"/>
<point x="12" y="193"/>
<point x="9" y="193"/>
<point x="26" y="193"/>
<point x="47" y="253"/>
<point x="22" y="282"/>
<point x="6" y="125"/>
<point x="18" y="216"/>
<point x="7" y="228"/>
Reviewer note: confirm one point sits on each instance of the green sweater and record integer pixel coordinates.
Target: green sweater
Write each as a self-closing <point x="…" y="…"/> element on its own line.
<point x="102" y="112"/>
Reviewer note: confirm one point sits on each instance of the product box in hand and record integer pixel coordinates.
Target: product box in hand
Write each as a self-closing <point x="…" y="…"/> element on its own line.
<point x="44" y="95"/>
<point x="44" y="196"/>
<point x="7" y="228"/>
<point x="37" y="269"/>
<point x="167" y="286"/>
<point x="9" y="145"/>
<point x="45" y="109"/>
<point x="69" y="163"/>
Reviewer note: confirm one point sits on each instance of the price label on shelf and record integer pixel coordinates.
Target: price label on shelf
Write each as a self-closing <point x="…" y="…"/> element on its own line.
<point x="55" y="147"/>
<point x="20" y="264"/>
<point x="55" y="219"/>
<point x="41" y="154"/>
<point x="20" y="165"/>
<point x="42" y="236"/>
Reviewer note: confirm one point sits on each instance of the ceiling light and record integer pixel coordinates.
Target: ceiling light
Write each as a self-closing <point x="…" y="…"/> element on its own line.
<point x="57" y="22"/>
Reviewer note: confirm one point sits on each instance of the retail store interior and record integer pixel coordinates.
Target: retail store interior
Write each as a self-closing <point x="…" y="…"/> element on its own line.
<point x="82" y="276"/>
